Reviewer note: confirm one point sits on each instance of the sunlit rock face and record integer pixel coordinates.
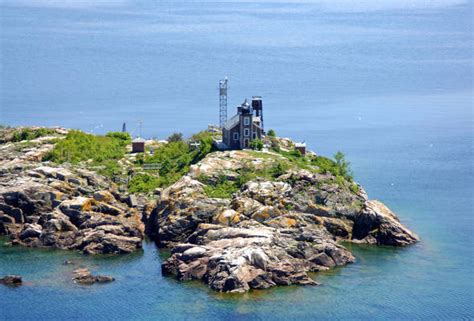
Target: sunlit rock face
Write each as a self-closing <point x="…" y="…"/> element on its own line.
<point x="269" y="232"/>
<point x="60" y="206"/>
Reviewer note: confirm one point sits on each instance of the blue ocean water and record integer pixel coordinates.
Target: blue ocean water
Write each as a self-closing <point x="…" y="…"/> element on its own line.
<point x="389" y="83"/>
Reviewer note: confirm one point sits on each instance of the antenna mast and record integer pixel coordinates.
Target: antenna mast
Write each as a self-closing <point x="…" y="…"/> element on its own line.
<point x="222" y="101"/>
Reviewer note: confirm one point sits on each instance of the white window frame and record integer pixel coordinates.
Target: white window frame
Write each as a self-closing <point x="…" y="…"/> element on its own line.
<point x="246" y="132"/>
<point x="236" y="136"/>
<point x="246" y="121"/>
<point x="254" y="135"/>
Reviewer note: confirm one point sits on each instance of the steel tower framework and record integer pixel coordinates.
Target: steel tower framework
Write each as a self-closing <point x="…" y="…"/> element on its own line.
<point x="222" y="101"/>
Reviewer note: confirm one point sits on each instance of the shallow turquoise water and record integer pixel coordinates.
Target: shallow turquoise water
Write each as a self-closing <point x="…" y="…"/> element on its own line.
<point x="389" y="84"/>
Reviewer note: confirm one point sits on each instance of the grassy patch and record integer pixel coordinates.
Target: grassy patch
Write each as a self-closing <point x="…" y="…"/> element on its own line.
<point x="29" y="133"/>
<point x="143" y="183"/>
<point x="354" y="188"/>
<point x="175" y="158"/>
<point x="221" y="187"/>
<point x="221" y="190"/>
<point x="78" y="146"/>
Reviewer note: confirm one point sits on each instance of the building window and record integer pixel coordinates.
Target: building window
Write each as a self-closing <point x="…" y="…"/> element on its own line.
<point x="236" y="136"/>
<point x="254" y="135"/>
<point x="246" y="132"/>
<point x="246" y="121"/>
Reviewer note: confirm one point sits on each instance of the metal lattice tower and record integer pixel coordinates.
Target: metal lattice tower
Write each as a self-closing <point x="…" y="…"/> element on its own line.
<point x="222" y="101"/>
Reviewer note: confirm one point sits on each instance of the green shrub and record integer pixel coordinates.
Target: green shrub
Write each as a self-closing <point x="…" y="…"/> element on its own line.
<point x="221" y="190"/>
<point x="246" y="174"/>
<point x="175" y="137"/>
<point x="271" y="133"/>
<point x="29" y="134"/>
<point x="218" y="187"/>
<point x="140" y="159"/>
<point x="125" y="138"/>
<point x="111" y="168"/>
<point x="175" y="157"/>
<point x="143" y="183"/>
<point x="79" y="146"/>
<point x="279" y="169"/>
<point x="325" y="165"/>
<point x="256" y="144"/>
<point x="354" y="188"/>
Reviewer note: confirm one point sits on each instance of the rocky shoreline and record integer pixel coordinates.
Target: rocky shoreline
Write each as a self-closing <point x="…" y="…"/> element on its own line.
<point x="268" y="232"/>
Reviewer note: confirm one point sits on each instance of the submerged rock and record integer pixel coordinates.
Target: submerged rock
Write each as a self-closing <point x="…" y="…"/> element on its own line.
<point x="84" y="276"/>
<point x="11" y="280"/>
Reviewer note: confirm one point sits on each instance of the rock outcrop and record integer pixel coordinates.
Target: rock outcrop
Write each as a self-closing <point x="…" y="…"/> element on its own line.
<point x="11" y="280"/>
<point x="252" y="256"/>
<point x="84" y="276"/>
<point x="65" y="207"/>
<point x="276" y="225"/>
<point x="270" y="232"/>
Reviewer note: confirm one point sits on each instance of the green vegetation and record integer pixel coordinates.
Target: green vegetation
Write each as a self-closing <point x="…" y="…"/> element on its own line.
<point x="103" y="151"/>
<point x="343" y="165"/>
<point x="124" y="137"/>
<point x="222" y="187"/>
<point x="256" y="144"/>
<point x="173" y="160"/>
<point x="29" y="133"/>
<point x="320" y="164"/>
<point x="297" y="160"/>
<point x="175" y="137"/>
<point x="143" y="183"/>
<point x="79" y="146"/>
<point x="354" y="188"/>
<point x="340" y="168"/>
<point x="271" y="133"/>
<point x="279" y="169"/>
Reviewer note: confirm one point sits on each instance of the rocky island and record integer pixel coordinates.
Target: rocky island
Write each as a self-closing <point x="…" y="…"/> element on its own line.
<point x="237" y="220"/>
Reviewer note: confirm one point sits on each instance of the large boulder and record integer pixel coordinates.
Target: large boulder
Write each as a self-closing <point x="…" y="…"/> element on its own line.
<point x="233" y="259"/>
<point x="377" y="224"/>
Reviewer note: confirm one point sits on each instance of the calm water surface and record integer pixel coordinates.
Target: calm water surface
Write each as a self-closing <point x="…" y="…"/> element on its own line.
<point x="389" y="83"/>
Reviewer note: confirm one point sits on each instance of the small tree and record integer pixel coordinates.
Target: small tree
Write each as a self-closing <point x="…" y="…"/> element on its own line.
<point x="256" y="144"/>
<point x="271" y="133"/>
<point x="343" y="165"/>
<point x="175" y="137"/>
